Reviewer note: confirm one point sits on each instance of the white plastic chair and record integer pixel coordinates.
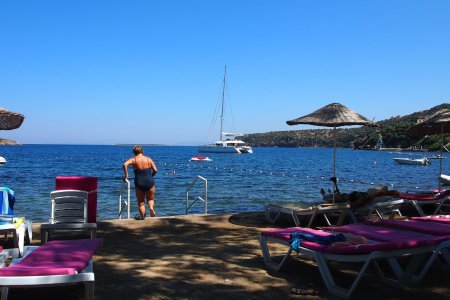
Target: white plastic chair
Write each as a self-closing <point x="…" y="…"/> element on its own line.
<point x="68" y="214"/>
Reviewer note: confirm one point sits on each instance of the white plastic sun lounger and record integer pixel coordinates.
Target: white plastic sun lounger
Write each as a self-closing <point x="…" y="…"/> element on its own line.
<point x="380" y="207"/>
<point x="423" y="225"/>
<point x="416" y="246"/>
<point x="438" y="199"/>
<point x="11" y="224"/>
<point x="342" y="210"/>
<point x="18" y="227"/>
<point x="54" y="263"/>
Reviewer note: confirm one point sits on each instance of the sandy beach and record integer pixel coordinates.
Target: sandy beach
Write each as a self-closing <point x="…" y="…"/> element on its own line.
<point x="208" y="257"/>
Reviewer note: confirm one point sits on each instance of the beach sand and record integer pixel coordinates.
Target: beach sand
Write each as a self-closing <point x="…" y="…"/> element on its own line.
<point x="208" y="257"/>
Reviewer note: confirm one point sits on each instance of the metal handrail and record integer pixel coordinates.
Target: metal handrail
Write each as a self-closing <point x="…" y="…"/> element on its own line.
<point x="126" y="202"/>
<point x="205" y="199"/>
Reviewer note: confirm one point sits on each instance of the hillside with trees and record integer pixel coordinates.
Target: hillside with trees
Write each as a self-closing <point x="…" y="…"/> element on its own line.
<point x="392" y="131"/>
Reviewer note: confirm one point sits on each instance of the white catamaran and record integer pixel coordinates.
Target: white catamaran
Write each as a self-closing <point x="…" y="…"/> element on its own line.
<point x="228" y="142"/>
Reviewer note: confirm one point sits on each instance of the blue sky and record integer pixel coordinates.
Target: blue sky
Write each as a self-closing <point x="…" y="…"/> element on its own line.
<point x="105" y="72"/>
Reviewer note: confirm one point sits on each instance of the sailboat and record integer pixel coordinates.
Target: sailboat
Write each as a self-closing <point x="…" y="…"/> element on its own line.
<point x="228" y="142"/>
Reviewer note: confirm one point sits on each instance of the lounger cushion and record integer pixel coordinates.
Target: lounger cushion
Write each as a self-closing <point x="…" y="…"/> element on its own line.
<point x="55" y="258"/>
<point x="425" y="197"/>
<point x="445" y="219"/>
<point x="415" y="225"/>
<point x="402" y="239"/>
<point x="406" y="240"/>
<point x="30" y="270"/>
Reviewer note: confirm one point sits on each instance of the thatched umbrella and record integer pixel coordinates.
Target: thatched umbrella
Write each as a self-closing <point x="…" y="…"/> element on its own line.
<point x="437" y="124"/>
<point x="10" y="120"/>
<point x="333" y="115"/>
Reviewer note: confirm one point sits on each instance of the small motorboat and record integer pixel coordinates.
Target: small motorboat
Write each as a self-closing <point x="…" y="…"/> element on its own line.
<point x="412" y="161"/>
<point x="200" y="158"/>
<point x="437" y="156"/>
<point x="445" y="179"/>
<point x="2" y="160"/>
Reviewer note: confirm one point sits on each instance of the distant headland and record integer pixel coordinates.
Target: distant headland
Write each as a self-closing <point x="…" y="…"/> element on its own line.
<point x="6" y="142"/>
<point x="392" y="132"/>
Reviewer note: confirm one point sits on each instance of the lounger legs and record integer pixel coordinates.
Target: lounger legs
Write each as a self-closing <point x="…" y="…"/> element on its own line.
<point x="267" y="257"/>
<point x="29" y="226"/>
<point x="89" y="290"/>
<point x="5" y="291"/>
<point x="328" y="278"/>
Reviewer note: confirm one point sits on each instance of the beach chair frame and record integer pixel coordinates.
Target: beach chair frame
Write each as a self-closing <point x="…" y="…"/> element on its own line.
<point x="86" y="276"/>
<point x="274" y="211"/>
<point x="401" y="276"/>
<point x="417" y="200"/>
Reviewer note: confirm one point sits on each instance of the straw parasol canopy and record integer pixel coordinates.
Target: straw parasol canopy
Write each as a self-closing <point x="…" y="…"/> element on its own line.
<point x="10" y="120"/>
<point x="333" y="115"/>
<point x="437" y="124"/>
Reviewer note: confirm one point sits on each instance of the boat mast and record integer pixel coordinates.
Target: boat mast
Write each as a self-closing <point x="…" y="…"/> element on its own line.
<point x="223" y="100"/>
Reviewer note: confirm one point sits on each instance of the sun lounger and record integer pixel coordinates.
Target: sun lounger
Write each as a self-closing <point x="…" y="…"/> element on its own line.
<point x="53" y="263"/>
<point x="425" y="226"/>
<point x="418" y="200"/>
<point x="18" y="227"/>
<point x="11" y="224"/>
<point x="341" y="210"/>
<point x="6" y="254"/>
<point x="380" y="207"/>
<point x="444" y="219"/>
<point x="386" y="245"/>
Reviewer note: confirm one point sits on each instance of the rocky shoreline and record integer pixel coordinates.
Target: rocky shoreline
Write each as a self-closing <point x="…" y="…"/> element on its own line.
<point x="6" y="142"/>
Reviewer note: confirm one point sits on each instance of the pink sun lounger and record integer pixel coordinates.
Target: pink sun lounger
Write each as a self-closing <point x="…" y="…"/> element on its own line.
<point x="441" y="254"/>
<point x="444" y="219"/>
<point x="382" y="245"/>
<point x="55" y="263"/>
<point x="437" y="198"/>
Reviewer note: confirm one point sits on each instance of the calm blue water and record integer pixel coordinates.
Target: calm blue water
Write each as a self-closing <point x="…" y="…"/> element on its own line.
<point x="237" y="183"/>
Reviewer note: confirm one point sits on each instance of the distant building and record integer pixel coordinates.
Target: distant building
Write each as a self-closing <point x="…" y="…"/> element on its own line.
<point x="420" y="119"/>
<point x="380" y="143"/>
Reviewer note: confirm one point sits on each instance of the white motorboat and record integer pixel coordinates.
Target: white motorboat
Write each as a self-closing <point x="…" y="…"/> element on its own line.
<point x="228" y="142"/>
<point x="200" y="158"/>
<point x="412" y="161"/>
<point x="445" y="179"/>
<point x="2" y="160"/>
<point x="436" y="156"/>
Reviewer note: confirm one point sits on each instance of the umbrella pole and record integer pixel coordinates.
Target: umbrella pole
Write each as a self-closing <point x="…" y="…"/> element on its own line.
<point x="334" y="157"/>
<point x="440" y="160"/>
<point x="334" y="152"/>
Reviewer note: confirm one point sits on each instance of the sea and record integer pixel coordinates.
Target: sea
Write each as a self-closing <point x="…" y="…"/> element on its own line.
<point x="235" y="182"/>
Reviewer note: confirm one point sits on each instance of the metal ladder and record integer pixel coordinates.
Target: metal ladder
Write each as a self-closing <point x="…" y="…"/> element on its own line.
<point x="204" y="199"/>
<point x="126" y="202"/>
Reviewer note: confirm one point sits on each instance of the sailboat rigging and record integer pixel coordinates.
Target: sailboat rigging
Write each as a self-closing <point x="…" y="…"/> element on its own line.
<point x="228" y="142"/>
